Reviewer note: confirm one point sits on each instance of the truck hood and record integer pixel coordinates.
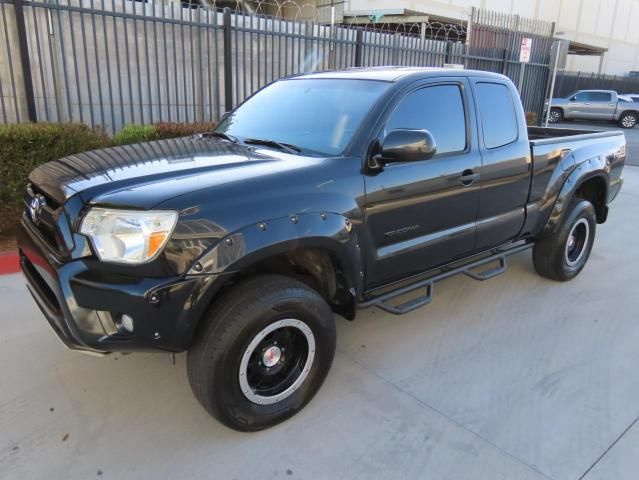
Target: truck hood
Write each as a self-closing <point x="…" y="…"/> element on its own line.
<point x="145" y="174"/>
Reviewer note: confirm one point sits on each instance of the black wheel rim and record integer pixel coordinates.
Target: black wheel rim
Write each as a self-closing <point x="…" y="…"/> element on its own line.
<point x="577" y="241"/>
<point x="277" y="361"/>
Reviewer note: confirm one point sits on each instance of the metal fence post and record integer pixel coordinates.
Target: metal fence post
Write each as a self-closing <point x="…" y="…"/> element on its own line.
<point x="504" y="61"/>
<point x="550" y="79"/>
<point x="308" y="46"/>
<point x="359" y="40"/>
<point x="18" y="8"/>
<point x="228" y="61"/>
<point x="449" y="53"/>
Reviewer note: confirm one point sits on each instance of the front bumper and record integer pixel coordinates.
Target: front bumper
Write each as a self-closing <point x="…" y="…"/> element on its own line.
<point x="82" y="305"/>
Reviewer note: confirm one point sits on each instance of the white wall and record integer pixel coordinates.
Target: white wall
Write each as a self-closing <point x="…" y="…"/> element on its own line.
<point x="611" y="24"/>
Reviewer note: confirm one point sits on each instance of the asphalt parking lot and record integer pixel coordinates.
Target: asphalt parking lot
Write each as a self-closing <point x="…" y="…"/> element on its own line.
<point x="515" y="378"/>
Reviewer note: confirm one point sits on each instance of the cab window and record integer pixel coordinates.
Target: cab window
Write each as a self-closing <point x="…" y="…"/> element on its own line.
<point x="438" y="109"/>
<point x="593" y="97"/>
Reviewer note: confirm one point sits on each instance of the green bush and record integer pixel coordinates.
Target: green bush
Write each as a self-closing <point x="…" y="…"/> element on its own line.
<point x="173" y="130"/>
<point x="24" y="146"/>
<point x="134" y="133"/>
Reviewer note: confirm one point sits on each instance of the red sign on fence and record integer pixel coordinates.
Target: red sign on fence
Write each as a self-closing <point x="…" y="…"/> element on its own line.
<point x="524" y="52"/>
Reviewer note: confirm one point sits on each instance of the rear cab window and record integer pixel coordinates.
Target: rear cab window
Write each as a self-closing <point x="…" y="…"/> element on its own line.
<point x="601" y="97"/>
<point x="498" y="114"/>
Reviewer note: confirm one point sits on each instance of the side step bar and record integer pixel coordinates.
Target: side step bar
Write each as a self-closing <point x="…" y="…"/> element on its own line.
<point x="498" y="255"/>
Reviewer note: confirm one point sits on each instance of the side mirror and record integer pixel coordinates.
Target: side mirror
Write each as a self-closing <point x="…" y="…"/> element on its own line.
<point x="573" y="99"/>
<point x="404" y="145"/>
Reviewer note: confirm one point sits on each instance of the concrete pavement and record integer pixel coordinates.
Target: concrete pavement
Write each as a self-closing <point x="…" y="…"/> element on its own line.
<point x="515" y="378"/>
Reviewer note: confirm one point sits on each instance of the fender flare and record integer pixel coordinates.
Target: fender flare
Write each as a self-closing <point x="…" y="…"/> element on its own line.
<point x="594" y="167"/>
<point x="331" y="232"/>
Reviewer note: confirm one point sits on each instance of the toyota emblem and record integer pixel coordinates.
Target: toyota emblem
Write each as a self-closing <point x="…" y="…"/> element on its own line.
<point x="35" y="207"/>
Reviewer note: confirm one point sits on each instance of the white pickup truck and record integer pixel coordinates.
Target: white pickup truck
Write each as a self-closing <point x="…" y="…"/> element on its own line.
<point x="604" y="105"/>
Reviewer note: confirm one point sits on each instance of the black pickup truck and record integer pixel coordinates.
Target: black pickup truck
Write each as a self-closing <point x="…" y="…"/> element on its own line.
<point x="320" y="194"/>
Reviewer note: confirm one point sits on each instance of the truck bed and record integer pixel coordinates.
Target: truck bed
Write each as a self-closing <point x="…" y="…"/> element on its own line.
<point x="549" y="145"/>
<point x="547" y="135"/>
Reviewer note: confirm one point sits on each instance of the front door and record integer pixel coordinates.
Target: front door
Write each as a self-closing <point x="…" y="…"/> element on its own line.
<point x="422" y="214"/>
<point x="576" y="107"/>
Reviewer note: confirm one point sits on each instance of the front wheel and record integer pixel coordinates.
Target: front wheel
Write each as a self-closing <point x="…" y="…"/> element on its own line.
<point x="265" y="350"/>
<point x="628" y="120"/>
<point x="562" y="255"/>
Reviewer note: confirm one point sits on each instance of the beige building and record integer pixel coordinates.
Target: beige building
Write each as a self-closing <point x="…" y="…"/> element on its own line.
<point x="604" y="34"/>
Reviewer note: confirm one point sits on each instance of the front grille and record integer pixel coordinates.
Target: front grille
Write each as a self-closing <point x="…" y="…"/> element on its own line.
<point x="51" y="202"/>
<point x="47" y="220"/>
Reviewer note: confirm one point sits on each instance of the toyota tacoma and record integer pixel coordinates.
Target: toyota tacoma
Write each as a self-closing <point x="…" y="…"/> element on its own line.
<point x="321" y="194"/>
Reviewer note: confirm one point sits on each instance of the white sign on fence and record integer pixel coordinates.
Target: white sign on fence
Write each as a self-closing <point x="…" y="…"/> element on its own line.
<point x="524" y="52"/>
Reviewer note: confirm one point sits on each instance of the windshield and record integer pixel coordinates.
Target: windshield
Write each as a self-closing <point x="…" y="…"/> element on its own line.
<point x="315" y="115"/>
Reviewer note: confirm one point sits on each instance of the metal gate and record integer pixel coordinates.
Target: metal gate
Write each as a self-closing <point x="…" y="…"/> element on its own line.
<point x="494" y="45"/>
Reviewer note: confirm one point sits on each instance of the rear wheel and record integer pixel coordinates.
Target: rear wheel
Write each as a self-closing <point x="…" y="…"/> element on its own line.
<point x="264" y="352"/>
<point x="556" y="115"/>
<point x="628" y="120"/>
<point x="562" y="255"/>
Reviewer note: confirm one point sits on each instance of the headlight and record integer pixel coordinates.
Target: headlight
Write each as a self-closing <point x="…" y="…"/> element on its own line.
<point x="128" y="236"/>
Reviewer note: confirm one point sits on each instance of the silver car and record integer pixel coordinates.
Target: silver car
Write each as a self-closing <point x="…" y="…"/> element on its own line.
<point x="602" y="105"/>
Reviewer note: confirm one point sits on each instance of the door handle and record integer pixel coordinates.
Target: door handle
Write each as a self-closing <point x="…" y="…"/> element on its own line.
<point x="468" y="177"/>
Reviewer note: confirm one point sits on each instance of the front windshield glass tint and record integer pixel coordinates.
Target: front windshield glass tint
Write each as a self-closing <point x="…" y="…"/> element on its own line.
<point x="316" y="115"/>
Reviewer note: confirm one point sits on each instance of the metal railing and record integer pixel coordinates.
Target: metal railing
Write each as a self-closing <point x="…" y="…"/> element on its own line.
<point x="113" y="62"/>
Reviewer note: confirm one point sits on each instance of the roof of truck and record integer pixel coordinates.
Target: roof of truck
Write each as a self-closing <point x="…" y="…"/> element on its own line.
<point x="392" y="74"/>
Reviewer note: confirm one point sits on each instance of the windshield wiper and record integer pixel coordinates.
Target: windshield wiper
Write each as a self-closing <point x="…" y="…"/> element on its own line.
<point x="285" y="147"/>
<point x="222" y="135"/>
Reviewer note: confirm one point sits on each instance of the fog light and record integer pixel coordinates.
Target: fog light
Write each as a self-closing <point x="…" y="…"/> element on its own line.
<point x="126" y="323"/>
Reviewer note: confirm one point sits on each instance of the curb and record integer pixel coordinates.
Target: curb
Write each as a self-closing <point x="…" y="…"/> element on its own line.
<point x="9" y="262"/>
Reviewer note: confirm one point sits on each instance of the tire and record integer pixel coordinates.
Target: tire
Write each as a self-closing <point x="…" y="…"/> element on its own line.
<point x="557" y="256"/>
<point x="628" y="120"/>
<point x="220" y="370"/>
<point x="556" y="115"/>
